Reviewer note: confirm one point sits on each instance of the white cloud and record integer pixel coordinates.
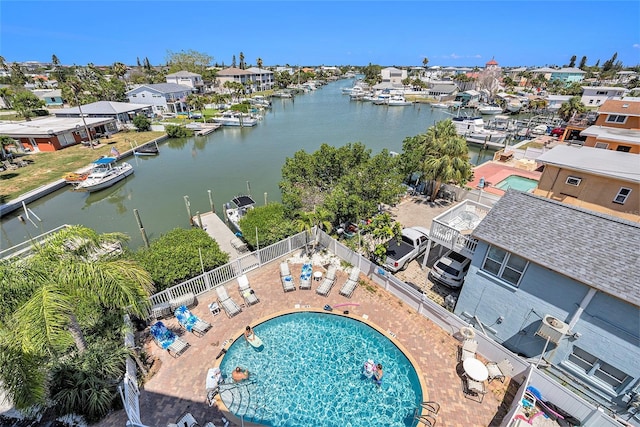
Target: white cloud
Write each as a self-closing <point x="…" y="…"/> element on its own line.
<point x="456" y="56"/>
<point x="636" y="45"/>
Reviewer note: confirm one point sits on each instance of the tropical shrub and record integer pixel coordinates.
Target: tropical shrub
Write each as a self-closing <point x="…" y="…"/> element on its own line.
<point x="142" y="123"/>
<point x="174" y="131"/>
<point x="175" y="256"/>
<point x="270" y="223"/>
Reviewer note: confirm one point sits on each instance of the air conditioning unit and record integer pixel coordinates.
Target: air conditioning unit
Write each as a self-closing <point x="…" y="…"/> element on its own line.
<point x="552" y="329"/>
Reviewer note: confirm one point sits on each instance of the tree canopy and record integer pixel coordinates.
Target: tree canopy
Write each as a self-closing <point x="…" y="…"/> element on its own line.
<point x="175" y="257"/>
<point x="347" y="181"/>
<point x="269" y="223"/>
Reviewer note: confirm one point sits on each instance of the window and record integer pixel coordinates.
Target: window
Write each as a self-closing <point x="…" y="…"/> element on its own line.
<point x="622" y="195"/>
<point x="602" y="145"/>
<point x="595" y="368"/>
<point x="505" y="265"/>
<point x="572" y="180"/>
<point x="616" y="118"/>
<point x="623" y="148"/>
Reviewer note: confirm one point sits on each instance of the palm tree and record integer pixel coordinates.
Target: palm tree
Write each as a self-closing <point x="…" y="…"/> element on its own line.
<point x="67" y="272"/>
<point x="259" y="62"/>
<point x="447" y="156"/>
<point x="320" y="217"/>
<point x="570" y="108"/>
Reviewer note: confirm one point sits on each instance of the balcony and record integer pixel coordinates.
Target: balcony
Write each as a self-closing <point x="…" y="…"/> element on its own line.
<point x="453" y="228"/>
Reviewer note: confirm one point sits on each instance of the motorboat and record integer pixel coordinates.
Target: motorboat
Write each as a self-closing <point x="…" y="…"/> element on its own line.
<point x="441" y="105"/>
<point x="104" y="174"/>
<point x="489" y="109"/>
<point x="236" y="209"/>
<point x="473" y="129"/>
<point x="397" y="100"/>
<point x="236" y="118"/>
<point x="514" y="106"/>
<point x="146" y="150"/>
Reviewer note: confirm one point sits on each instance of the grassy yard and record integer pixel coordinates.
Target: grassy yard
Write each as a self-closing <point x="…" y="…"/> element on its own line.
<point x="47" y="167"/>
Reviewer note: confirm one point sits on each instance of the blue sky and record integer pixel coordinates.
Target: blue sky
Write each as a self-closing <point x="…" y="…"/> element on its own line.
<point x="456" y="33"/>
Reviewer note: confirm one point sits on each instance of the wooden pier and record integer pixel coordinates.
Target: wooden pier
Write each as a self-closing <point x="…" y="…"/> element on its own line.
<point x="218" y="230"/>
<point x="202" y="129"/>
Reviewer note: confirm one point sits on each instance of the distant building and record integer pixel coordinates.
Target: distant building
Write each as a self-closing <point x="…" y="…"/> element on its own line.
<point x="162" y="97"/>
<point x="393" y="76"/>
<point x="568" y="75"/>
<point x="492" y="65"/>
<point x="594" y="96"/>
<point x="51" y="97"/>
<point x="187" y="78"/>
<point x="262" y="79"/>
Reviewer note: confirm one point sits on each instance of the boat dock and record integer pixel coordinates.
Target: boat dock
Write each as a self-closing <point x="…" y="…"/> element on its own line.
<point x="228" y="242"/>
<point x="202" y="129"/>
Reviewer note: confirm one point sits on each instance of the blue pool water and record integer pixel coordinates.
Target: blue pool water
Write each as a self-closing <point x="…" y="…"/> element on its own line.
<point x="517" y="182"/>
<point x="309" y="373"/>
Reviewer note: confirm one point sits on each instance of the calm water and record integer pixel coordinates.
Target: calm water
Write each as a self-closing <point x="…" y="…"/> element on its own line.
<point x="310" y="372"/>
<point x="224" y="162"/>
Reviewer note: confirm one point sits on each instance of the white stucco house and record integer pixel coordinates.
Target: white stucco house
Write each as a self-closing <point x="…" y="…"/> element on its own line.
<point x="593" y="96"/>
<point x="163" y="97"/>
<point x="187" y="78"/>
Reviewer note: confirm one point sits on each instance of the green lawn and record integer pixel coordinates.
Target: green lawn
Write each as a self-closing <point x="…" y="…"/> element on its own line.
<point x="47" y="167"/>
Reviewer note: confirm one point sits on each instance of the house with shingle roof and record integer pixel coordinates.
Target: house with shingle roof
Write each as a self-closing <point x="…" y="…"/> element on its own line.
<point x="568" y="75"/>
<point x="559" y="284"/>
<point x="122" y="112"/>
<point x="163" y="97"/>
<point x="233" y="74"/>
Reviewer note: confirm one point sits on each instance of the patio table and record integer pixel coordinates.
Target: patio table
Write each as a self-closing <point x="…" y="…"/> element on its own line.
<point x="475" y="369"/>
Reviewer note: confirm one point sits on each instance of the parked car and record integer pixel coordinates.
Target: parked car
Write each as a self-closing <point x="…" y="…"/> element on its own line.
<point x="539" y="130"/>
<point x="450" y="270"/>
<point x="558" y="132"/>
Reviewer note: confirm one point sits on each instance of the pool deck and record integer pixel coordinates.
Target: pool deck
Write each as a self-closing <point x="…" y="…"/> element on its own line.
<point x="177" y="385"/>
<point x="494" y="171"/>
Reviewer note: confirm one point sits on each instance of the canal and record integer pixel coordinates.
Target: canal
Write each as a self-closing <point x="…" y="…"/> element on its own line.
<point x="224" y="162"/>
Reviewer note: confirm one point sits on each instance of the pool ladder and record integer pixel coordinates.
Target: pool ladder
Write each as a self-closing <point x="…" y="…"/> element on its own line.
<point x="428" y="419"/>
<point x="237" y="398"/>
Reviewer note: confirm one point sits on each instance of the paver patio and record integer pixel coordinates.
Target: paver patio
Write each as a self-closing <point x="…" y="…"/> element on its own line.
<point x="178" y="384"/>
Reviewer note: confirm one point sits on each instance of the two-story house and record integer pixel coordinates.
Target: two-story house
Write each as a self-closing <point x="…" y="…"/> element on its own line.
<point x="233" y="74"/>
<point x="187" y="78"/>
<point x="262" y="79"/>
<point x="567" y="75"/>
<point x="617" y="127"/>
<point x="163" y="97"/>
<point x="600" y="180"/>
<point x="558" y="284"/>
<point x="594" y="96"/>
<point x="393" y="76"/>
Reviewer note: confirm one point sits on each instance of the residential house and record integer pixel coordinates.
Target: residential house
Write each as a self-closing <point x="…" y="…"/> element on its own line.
<point x="546" y="72"/>
<point x="625" y="76"/>
<point x="554" y="102"/>
<point x="55" y="133"/>
<point x="468" y="97"/>
<point x="568" y="75"/>
<point x="492" y="65"/>
<point x="617" y="126"/>
<point x="51" y="97"/>
<point x="558" y="284"/>
<point x="122" y="112"/>
<point x="244" y="77"/>
<point x="262" y="79"/>
<point x="594" y="96"/>
<point x="187" y="78"/>
<point x="442" y="90"/>
<point x="393" y="76"/>
<point x="600" y="180"/>
<point x="162" y="97"/>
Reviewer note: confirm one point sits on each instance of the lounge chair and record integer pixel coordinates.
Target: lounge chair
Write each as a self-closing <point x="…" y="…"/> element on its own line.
<point x="469" y="348"/>
<point x="191" y="322"/>
<point x="230" y="306"/>
<point x="186" y="420"/>
<point x="351" y="283"/>
<point x="328" y="282"/>
<point x="167" y="340"/>
<point x="285" y="277"/>
<point x="475" y="388"/>
<point x="499" y="370"/>
<point x="306" y="276"/>
<point x="247" y="293"/>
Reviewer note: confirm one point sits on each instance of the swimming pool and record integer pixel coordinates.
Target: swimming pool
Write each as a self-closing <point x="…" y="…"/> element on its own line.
<point x="309" y="373"/>
<point x="517" y="182"/>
